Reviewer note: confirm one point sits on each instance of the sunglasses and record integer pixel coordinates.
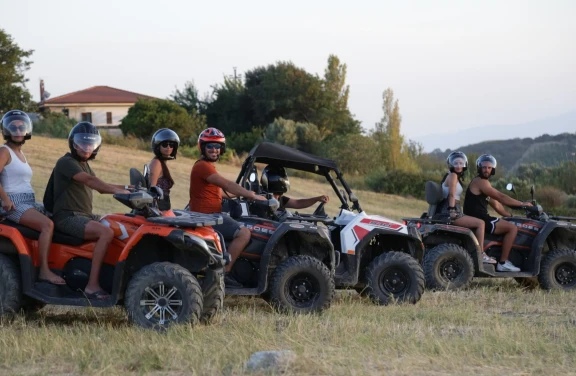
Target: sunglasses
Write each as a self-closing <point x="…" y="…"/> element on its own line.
<point x="168" y="144"/>
<point x="17" y="128"/>
<point x="213" y="146"/>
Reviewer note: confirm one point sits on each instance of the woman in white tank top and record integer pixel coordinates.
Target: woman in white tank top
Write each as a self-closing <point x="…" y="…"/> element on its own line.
<point x="16" y="190"/>
<point x="452" y="188"/>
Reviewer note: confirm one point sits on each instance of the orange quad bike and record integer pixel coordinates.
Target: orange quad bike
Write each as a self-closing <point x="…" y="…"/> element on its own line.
<point x="163" y="269"/>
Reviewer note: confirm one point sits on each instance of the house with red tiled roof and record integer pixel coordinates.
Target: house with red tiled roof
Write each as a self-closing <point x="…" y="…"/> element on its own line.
<point x="103" y="106"/>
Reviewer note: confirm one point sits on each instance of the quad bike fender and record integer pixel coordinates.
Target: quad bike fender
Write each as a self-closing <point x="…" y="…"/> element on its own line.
<point x="411" y="242"/>
<point x="182" y="240"/>
<point x="349" y="272"/>
<point x="317" y="237"/>
<point x="13" y="242"/>
<point x="558" y="235"/>
<point x="438" y="233"/>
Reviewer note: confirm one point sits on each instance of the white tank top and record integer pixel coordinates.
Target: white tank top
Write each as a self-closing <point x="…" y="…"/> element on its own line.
<point x="16" y="175"/>
<point x="446" y="190"/>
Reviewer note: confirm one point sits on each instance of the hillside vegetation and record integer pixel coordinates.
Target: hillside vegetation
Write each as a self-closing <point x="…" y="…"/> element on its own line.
<point x="545" y="151"/>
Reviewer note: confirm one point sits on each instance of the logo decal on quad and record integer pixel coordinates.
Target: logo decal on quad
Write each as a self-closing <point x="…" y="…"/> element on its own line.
<point x="382" y="224"/>
<point x="260" y="229"/>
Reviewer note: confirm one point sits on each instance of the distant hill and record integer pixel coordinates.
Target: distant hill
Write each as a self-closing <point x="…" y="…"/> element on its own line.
<point x="552" y="126"/>
<point x="544" y="150"/>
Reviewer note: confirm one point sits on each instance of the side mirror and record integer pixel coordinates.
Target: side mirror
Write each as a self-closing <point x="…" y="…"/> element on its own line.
<point x="532" y="192"/>
<point x="510" y="187"/>
<point x="252" y="177"/>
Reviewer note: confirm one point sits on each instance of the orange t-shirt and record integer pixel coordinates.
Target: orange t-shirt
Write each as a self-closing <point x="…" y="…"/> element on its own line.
<point x="204" y="197"/>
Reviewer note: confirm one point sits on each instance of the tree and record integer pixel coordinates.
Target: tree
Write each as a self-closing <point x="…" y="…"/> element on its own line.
<point x="229" y="108"/>
<point x="147" y="116"/>
<point x="302" y="136"/>
<point x="13" y="65"/>
<point x="187" y="98"/>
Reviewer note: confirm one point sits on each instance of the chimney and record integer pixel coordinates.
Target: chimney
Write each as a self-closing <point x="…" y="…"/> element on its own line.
<point x="41" y="90"/>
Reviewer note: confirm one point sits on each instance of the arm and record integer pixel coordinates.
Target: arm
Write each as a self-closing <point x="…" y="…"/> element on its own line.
<point x="7" y="204"/>
<point x="452" y="183"/>
<point x="97" y="184"/>
<point x="485" y="187"/>
<point x="497" y="206"/>
<point x="306" y="202"/>
<point x="232" y="187"/>
<point x="155" y="171"/>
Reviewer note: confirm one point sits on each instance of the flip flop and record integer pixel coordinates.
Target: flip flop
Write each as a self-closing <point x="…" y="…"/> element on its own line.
<point x="98" y="295"/>
<point x="51" y="282"/>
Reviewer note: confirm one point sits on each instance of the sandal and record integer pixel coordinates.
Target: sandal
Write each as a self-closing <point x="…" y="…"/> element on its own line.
<point x="98" y="295"/>
<point x="487" y="259"/>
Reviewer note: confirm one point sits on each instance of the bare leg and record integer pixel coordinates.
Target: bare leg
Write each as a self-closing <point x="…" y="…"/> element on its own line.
<point x="237" y="246"/>
<point x="509" y="230"/>
<point x="34" y="219"/>
<point x="473" y="223"/>
<point x="103" y="235"/>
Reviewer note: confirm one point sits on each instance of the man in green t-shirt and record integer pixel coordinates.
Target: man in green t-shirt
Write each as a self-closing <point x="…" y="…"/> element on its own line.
<point x="74" y="181"/>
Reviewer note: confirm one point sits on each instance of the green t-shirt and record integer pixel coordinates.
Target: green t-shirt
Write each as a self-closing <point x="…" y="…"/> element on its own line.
<point x="71" y="197"/>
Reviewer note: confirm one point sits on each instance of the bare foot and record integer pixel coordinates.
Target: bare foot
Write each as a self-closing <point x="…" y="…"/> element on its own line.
<point x="51" y="277"/>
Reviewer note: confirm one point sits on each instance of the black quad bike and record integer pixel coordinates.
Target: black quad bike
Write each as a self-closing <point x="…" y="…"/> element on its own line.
<point x="163" y="270"/>
<point x="292" y="257"/>
<point x="544" y="248"/>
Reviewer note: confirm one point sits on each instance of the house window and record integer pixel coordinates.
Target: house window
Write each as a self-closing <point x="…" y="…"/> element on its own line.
<point x="87" y="116"/>
<point x="108" y="117"/>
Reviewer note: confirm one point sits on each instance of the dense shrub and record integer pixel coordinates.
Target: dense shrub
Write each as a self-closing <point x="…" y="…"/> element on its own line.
<point x="550" y="197"/>
<point x="54" y="125"/>
<point x="401" y="183"/>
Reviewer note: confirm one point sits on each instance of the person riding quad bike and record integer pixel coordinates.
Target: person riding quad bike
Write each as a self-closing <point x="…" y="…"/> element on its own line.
<point x="163" y="270"/>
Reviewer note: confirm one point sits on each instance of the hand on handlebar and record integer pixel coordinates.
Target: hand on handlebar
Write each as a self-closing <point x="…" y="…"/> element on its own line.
<point x="258" y="197"/>
<point x="323" y="198"/>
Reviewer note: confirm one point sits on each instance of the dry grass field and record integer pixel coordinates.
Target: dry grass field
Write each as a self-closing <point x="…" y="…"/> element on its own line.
<point x="493" y="328"/>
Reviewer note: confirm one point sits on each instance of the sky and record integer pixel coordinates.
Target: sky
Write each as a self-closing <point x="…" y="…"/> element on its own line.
<point x="452" y="65"/>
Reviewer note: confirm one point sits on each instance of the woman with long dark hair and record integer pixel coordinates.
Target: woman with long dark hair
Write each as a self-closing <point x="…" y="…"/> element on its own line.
<point x="165" y="146"/>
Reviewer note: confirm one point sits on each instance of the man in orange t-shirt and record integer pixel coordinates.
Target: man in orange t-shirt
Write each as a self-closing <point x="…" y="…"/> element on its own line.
<point x="206" y="186"/>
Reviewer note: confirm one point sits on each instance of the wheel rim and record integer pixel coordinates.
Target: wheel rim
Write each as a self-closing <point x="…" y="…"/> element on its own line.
<point x="451" y="268"/>
<point x="303" y="289"/>
<point x="395" y="281"/>
<point x="161" y="303"/>
<point x="566" y="274"/>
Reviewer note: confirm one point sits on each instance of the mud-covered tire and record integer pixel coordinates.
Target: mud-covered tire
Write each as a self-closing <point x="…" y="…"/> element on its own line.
<point x="213" y="300"/>
<point x="448" y="267"/>
<point x="558" y="270"/>
<point x="162" y="294"/>
<point x="10" y="287"/>
<point x="301" y="284"/>
<point x="394" y="277"/>
<point x="529" y="283"/>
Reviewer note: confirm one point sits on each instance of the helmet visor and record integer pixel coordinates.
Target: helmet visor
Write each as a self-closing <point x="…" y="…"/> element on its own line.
<point x="18" y="125"/>
<point x="87" y="142"/>
<point x="487" y="161"/>
<point x="458" y="162"/>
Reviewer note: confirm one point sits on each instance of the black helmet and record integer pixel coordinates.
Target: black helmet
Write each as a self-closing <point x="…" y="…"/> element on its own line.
<point x="165" y="135"/>
<point x="86" y="137"/>
<point x="11" y="128"/>
<point x="486" y="158"/>
<point x="452" y="160"/>
<point x="275" y="179"/>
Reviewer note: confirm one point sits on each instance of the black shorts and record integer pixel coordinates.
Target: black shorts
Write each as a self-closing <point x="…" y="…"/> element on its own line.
<point x="489" y="224"/>
<point x="229" y="228"/>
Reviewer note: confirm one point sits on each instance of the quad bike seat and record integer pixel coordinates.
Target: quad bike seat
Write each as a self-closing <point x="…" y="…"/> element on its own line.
<point x="58" y="237"/>
<point x="434" y="196"/>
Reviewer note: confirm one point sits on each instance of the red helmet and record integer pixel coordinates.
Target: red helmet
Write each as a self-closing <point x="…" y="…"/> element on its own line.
<point x="210" y="135"/>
